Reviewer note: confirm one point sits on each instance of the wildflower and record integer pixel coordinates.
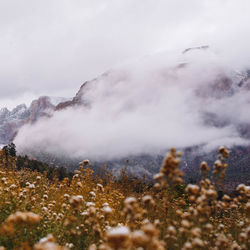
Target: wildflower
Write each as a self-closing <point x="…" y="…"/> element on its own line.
<point x="24" y="218"/>
<point x="84" y="213"/>
<point x="45" y="196"/>
<point x="159" y="176"/>
<point x="224" y="151"/>
<point x="211" y="194"/>
<point x="100" y="187"/>
<point x="192" y="189"/>
<point x="204" y="167"/>
<point x="187" y="246"/>
<point x="85" y="162"/>
<point x="79" y="184"/>
<point x="92" y="247"/>
<point x="148" y="200"/>
<point x="235" y="246"/>
<point x="226" y="198"/>
<point x="92" y="194"/>
<point x="130" y="201"/>
<point x="150" y="230"/>
<point x="197" y="243"/>
<point x="196" y="232"/>
<point x="69" y="245"/>
<point x="139" y="238"/>
<point x="13" y="186"/>
<point x="76" y="200"/>
<point x="66" y="196"/>
<point x="107" y="210"/>
<point x="171" y="230"/>
<point x="32" y="186"/>
<point x="3" y="179"/>
<point x="90" y="204"/>
<point x="48" y="243"/>
<point x="118" y="237"/>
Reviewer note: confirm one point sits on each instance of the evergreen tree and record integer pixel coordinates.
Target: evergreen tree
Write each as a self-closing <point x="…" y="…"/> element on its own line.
<point x="6" y="151"/>
<point x="12" y="149"/>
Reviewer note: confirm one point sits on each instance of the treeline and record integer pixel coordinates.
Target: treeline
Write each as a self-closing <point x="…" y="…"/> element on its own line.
<point x="12" y="160"/>
<point x="21" y="162"/>
<point x="35" y="165"/>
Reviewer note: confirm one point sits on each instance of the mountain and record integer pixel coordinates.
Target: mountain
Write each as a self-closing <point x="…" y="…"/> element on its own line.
<point x="218" y="98"/>
<point x="78" y="99"/>
<point x="12" y="121"/>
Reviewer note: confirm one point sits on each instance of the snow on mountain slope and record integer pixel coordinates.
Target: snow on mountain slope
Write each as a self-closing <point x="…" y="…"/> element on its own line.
<point x="12" y="121"/>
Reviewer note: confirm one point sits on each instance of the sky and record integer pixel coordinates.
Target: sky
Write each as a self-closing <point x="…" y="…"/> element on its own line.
<point x="52" y="47"/>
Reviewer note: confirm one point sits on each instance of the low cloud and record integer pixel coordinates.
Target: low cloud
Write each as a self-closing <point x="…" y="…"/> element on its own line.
<point x="148" y="106"/>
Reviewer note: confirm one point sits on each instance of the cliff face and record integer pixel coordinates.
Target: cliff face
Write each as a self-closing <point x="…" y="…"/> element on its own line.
<point x="41" y="107"/>
<point x="78" y="99"/>
<point x="12" y="121"/>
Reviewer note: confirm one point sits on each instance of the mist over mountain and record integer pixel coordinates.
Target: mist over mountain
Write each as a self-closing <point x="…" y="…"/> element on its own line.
<point x="194" y="101"/>
<point x="146" y="107"/>
<point x="12" y="120"/>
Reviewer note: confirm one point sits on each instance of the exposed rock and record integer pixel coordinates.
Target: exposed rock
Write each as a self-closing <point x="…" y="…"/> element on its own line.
<point x="78" y="98"/>
<point x="12" y="121"/>
<point x="196" y="48"/>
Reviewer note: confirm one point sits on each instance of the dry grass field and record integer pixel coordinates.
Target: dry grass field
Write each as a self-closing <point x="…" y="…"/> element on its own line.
<point x="89" y="212"/>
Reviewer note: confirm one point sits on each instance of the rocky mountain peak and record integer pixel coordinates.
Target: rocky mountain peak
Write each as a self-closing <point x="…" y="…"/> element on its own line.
<point x="77" y="99"/>
<point x="41" y="103"/>
<point x="4" y="112"/>
<point x="11" y="121"/>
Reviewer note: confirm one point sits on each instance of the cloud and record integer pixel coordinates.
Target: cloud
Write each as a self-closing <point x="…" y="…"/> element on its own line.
<point x="51" y="47"/>
<point x="147" y="107"/>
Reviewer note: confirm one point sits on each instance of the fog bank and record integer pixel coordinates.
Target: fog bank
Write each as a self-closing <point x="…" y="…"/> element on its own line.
<point x="147" y="106"/>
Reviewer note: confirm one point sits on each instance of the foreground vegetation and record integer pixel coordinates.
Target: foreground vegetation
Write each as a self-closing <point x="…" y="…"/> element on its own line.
<point x="90" y="212"/>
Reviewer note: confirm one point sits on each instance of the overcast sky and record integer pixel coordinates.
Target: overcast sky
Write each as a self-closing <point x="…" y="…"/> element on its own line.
<point x="50" y="47"/>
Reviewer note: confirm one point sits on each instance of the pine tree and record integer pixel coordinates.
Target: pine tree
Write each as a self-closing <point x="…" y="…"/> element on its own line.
<point x="12" y="149"/>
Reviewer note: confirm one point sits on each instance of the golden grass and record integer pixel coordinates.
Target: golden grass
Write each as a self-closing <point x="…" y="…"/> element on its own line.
<point x="94" y="213"/>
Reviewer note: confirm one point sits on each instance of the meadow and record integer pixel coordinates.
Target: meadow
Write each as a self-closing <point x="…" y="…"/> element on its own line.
<point x="92" y="212"/>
